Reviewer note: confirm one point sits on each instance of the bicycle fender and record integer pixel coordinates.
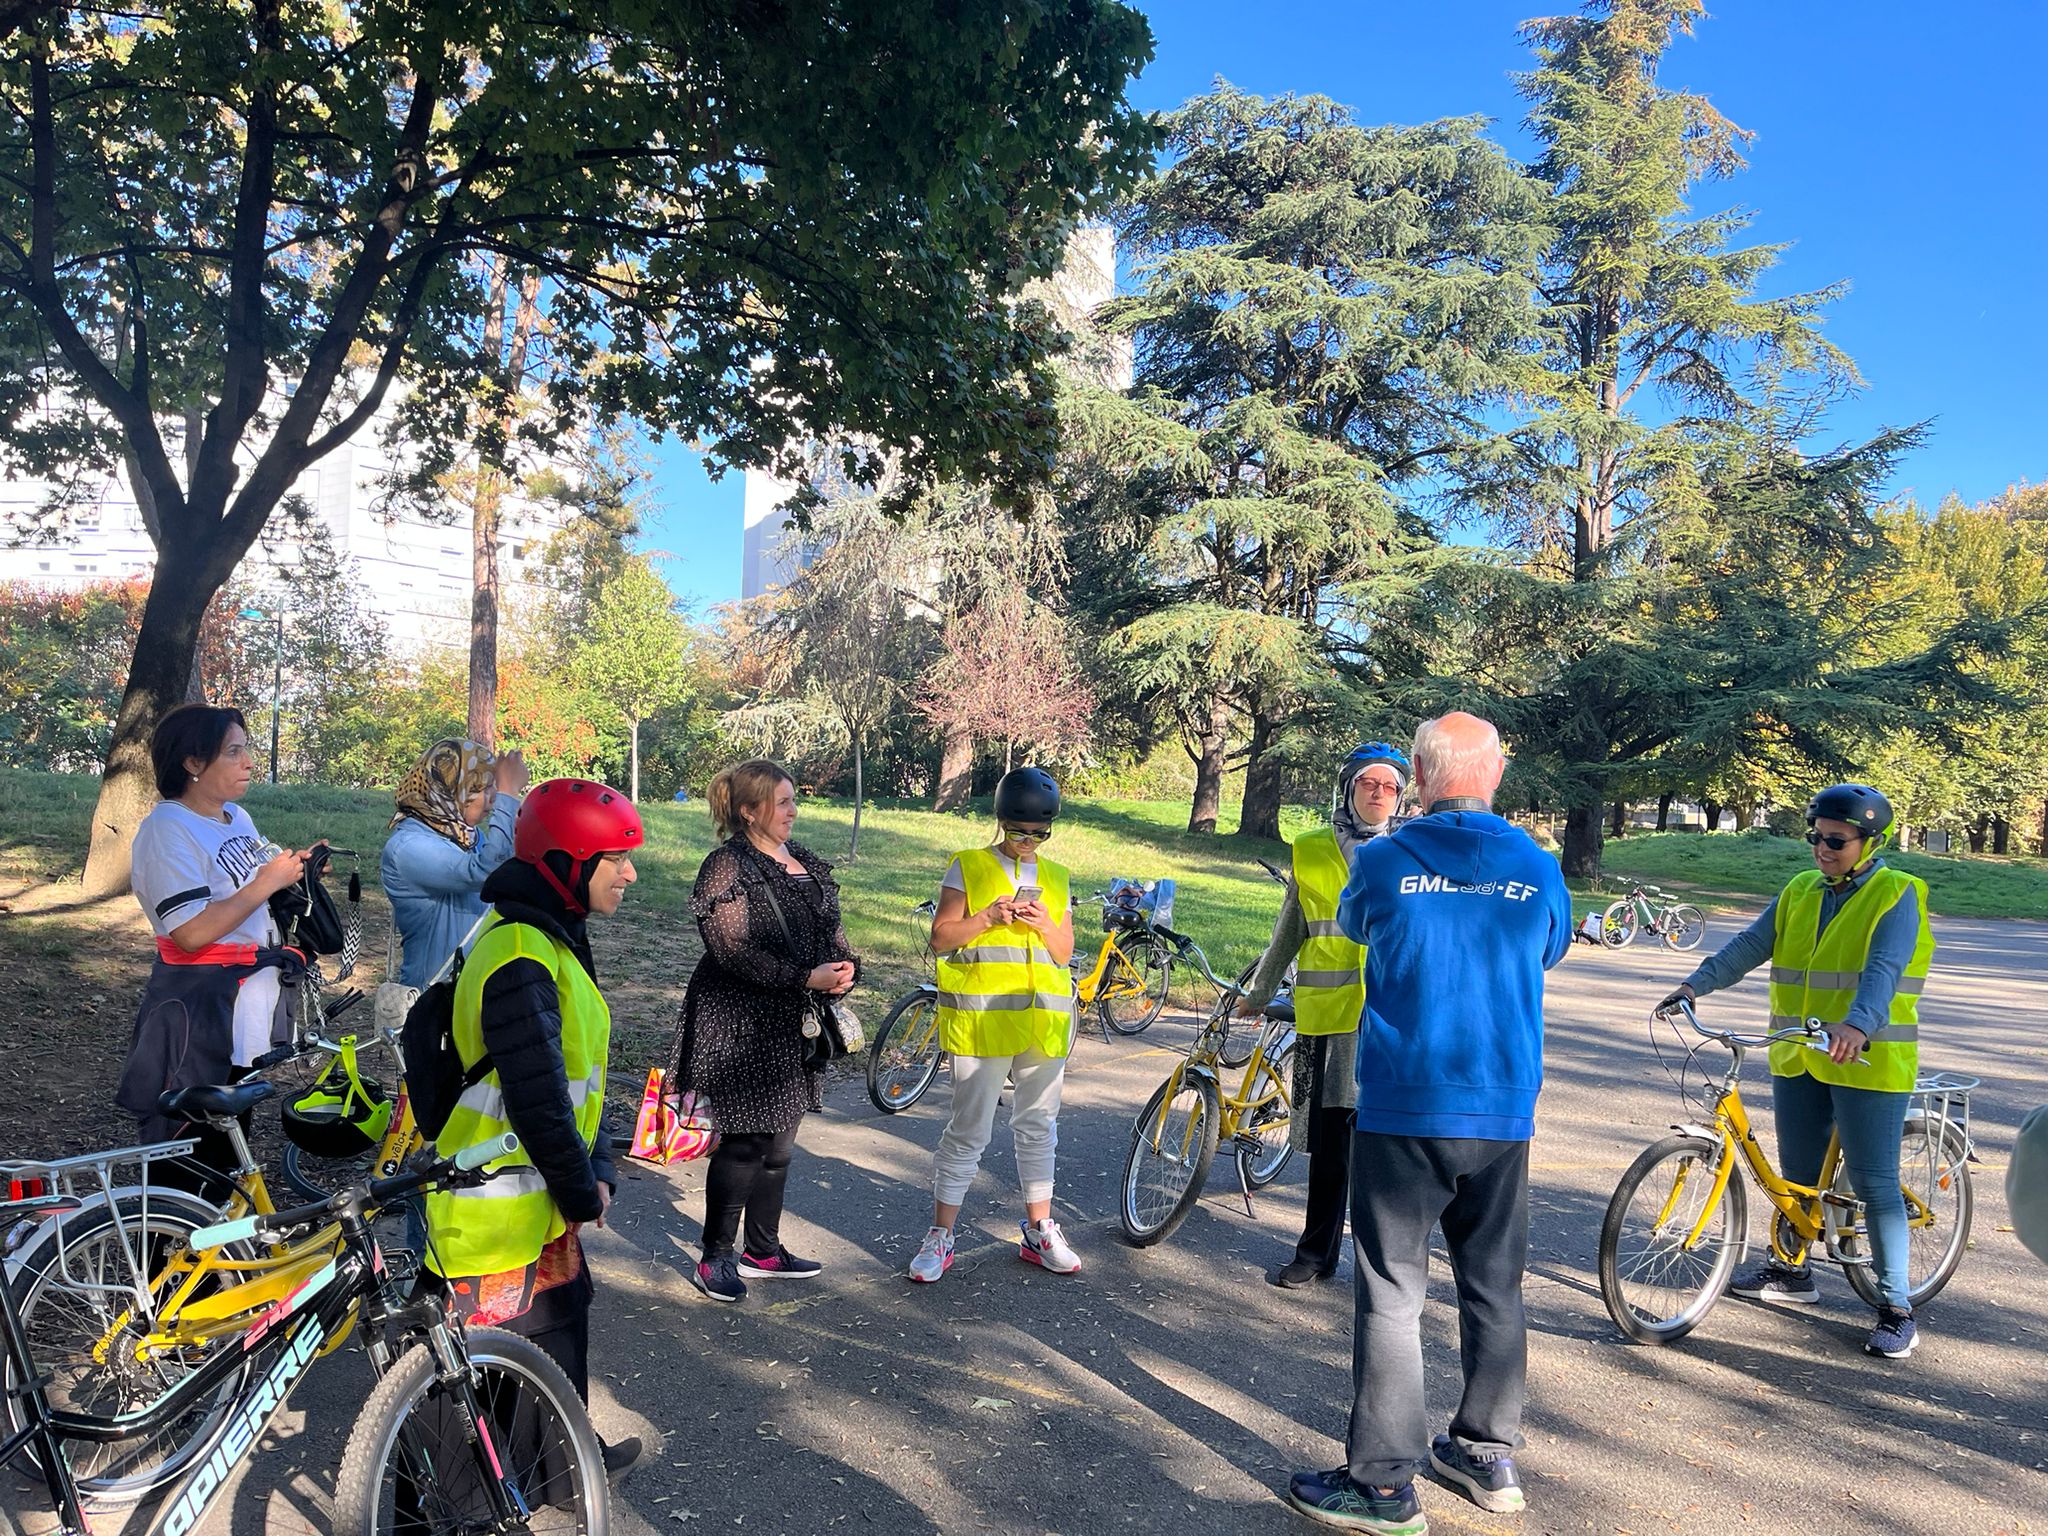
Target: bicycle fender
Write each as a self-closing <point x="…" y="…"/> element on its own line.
<point x="1207" y="1073"/>
<point x="1704" y="1132"/>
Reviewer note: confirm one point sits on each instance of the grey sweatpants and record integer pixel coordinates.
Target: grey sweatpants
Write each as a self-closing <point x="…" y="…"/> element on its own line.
<point x="1401" y="1187"/>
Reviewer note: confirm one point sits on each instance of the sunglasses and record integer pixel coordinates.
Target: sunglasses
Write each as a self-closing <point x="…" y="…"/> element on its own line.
<point x="1375" y="787"/>
<point x="1835" y="844"/>
<point x="1026" y="834"/>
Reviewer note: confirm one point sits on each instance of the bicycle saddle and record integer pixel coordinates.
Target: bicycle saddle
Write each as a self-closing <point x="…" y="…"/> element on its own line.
<point x="216" y="1101"/>
<point x="1281" y="1008"/>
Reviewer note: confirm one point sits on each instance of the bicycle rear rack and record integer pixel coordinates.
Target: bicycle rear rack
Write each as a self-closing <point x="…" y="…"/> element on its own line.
<point x="117" y="1182"/>
<point x="1944" y="1098"/>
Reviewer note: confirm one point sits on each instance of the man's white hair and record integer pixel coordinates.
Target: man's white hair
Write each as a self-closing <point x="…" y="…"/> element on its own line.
<point x="1448" y="764"/>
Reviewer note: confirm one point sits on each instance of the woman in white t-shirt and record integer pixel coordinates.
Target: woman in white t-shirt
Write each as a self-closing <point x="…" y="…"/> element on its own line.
<point x="204" y="877"/>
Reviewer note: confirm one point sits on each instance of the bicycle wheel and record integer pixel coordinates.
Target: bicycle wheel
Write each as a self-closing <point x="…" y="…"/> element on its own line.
<point x="1618" y="925"/>
<point x="1684" y="926"/>
<point x="1135" y="986"/>
<point x="1657" y="1280"/>
<point x="904" y="1060"/>
<point x="1934" y="1173"/>
<point x="1263" y="1150"/>
<point x="410" y="1466"/>
<point x="76" y="1304"/>
<point x="315" y="1178"/>
<point x="1172" y="1145"/>
<point x="1239" y="1035"/>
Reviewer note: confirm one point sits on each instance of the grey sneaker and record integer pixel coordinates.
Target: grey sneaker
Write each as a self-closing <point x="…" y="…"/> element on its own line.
<point x="1895" y="1336"/>
<point x="1488" y="1481"/>
<point x="1780" y="1283"/>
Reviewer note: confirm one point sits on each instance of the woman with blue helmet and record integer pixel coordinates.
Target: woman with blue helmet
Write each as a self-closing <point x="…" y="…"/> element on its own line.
<point x="1329" y="996"/>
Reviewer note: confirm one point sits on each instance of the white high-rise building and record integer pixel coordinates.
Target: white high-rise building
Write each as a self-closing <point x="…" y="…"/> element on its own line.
<point x="1086" y="281"/>
<point x="419" y="570"/>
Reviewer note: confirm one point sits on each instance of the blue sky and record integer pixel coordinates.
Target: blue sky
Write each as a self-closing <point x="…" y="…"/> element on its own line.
<point x="1898" y="146"/>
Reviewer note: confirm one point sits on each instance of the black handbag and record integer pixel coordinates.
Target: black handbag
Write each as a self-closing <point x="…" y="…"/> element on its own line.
<point x="831" y="1028"/>
<point x="308" y="919"/>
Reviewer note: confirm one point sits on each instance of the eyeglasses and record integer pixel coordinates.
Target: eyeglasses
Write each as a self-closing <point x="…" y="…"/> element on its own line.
<point x="1375" y="787"/>
<point x="1026" y="834"/>
<point x="1835" y="844"/>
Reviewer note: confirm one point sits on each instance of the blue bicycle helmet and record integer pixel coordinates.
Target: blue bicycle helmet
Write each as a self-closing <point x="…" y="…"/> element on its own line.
<point x="1364" y="756"/>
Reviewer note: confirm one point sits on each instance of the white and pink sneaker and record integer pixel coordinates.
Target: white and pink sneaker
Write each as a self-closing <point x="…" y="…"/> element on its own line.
<point x="935" y="1257"/>
<point x="1046" y="1246"/>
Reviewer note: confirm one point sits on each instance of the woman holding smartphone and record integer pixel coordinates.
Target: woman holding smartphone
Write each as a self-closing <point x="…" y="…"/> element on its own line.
<point x="1004" y="933"/>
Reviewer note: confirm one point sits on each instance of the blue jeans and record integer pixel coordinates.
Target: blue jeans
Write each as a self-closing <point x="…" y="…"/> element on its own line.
<point x="1872" y="1125"/>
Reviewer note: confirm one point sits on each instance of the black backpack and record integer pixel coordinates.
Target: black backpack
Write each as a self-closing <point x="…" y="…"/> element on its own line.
<point x="434" y="1074"/>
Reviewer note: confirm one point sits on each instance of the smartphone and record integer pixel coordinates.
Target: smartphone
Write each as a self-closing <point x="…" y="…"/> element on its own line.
<point x="1026" y="893"/>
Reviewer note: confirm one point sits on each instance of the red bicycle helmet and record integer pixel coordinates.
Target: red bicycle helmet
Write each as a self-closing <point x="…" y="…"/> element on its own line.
<point x="579" y="817"/>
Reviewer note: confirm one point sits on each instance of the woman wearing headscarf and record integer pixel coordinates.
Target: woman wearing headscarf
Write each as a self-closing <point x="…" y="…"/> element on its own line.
<point x="1329" y="996"/>
<point x="453" y="827"/>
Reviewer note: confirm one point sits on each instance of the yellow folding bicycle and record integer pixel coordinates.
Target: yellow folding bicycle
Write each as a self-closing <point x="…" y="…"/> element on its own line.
<point x="1678" y="1223"/>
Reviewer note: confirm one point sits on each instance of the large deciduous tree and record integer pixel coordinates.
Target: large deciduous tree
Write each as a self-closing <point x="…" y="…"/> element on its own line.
<point x="1326" y="313"/>
<point x="752" y="224"/>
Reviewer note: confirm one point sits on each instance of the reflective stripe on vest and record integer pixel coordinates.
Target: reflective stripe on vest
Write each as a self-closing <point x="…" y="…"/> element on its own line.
<point x="1002" y="993"/>
<point x="1815" y="974"/>
<point x="505" y="1222"/>
<point x="1329" y="977"/>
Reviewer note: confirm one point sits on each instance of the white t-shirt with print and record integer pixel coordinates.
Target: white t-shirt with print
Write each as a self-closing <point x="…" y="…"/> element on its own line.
<point x="184" y="862"/>
<point x="1022" y="872"/>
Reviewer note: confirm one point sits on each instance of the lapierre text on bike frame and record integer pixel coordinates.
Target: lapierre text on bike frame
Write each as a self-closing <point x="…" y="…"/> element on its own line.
<point x="250" y="1417"/>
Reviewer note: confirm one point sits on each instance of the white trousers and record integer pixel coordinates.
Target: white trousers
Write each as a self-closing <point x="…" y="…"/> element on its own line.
<point x="1034" y="1122"/>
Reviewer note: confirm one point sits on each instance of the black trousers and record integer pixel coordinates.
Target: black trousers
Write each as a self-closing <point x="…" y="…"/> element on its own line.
<point x="1402" y="1186"/>
<point x="748" y="1174"/>
<point x="1329" y="1166"/>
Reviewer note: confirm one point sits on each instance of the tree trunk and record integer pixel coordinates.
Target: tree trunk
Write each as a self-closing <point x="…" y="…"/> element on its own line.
<point x="486" y="516"/>
<point x="1208" y="754"/>
<point x="1664" y="811"/>
<point x="158" y="677"/>
<point x="1713" y="813"/>
<point x="2001" y="835"/>
<point x="859" y="794"/>
<point x="1619" y="826"/>
<point x="956" y="769"/>
<point x="1978" y="828"/>
<point x="1581" y="857"/>
<point x="1262" y="785"/>
<point x="633" y="793"/>
<point x="2043" y="848"/>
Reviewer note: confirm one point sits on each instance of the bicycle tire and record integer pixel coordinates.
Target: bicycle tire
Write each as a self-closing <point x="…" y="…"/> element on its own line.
<point x="1930" y="1151"/>
<point x="315" y="1178"/>
<point x="892" y="1094"/>
<point x="1694" y="1277"/>
<point x="1685" y="926"/>
<point x="1618" y="924"/>
<point x="1270" y="1152"/>
<point x="1151" y="963"/>
<point x="382" y="1461"/>
<point x="1181" y="1174"/>
<point x="1239" y="1035"/>
<point x="64" y="1326"/>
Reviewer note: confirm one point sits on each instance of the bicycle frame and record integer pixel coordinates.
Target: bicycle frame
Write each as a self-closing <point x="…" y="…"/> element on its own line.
<point x="1093" y="985"/>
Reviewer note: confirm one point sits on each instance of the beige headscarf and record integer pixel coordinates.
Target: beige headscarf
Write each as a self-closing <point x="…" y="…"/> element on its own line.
<point x="447" y="775"/>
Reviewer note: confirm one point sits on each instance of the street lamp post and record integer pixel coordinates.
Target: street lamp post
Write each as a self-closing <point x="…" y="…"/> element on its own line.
<point x="276" y="673"/>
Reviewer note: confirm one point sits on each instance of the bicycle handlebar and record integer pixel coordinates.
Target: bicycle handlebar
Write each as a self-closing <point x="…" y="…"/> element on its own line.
<point x="1812" y="1032"/>
<point x="464" y="1168"/>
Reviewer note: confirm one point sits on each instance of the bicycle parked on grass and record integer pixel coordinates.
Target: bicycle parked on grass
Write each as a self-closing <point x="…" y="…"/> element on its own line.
<point x="1677" y="1226"/>
<point x="467" y="1431"/>
<point x="1646" y="909"/>
<point x="1176" y="1134"/>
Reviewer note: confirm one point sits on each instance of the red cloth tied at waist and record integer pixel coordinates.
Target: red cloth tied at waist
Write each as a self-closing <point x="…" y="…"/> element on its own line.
<point x="169" y="951"/>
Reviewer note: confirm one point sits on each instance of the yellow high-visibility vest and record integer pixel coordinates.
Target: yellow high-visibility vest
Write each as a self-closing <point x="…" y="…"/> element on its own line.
<point x="505" y="1222"/>
<point x="1329" y="971"/>
<point x="1814" y="975"/>
<point x="1003" y="993"/>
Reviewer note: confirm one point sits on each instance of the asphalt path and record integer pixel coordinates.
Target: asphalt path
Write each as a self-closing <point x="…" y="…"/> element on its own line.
<point x="1171" y="1389"/>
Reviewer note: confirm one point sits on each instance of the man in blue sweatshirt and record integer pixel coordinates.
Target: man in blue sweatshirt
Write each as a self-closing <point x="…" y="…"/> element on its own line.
<point x="1461" y="914"/>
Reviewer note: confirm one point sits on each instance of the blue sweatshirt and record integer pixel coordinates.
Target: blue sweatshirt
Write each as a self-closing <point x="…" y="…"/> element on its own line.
<point x="433" y="885"/>
<point x="1461" y="914"/>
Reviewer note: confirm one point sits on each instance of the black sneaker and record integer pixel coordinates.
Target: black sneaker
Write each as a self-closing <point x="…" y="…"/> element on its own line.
<point x="1488" y="1481"/>
<point x="1298" y="1272"/>
<point x="719" y="1278"/>
<point x="1895" y="1336"/>
<point x="1780" y="1283"/>
<point x="620" y="1456"/>
<point x="779" y="1265"/>
<point x="1333" y="1499"/>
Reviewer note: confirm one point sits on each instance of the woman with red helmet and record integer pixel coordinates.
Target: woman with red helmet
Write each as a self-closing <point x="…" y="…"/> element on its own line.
<point x="528" y="1011"/>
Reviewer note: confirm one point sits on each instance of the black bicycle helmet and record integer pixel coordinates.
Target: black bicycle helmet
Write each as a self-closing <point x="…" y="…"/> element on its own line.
<point x="1027" y="794"/>
<point x="1859" y="805"/>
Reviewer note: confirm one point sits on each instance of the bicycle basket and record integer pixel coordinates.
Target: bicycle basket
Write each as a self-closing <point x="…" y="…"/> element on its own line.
<point x="1138" y="904"/>
<point x="344" y="1114"/>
